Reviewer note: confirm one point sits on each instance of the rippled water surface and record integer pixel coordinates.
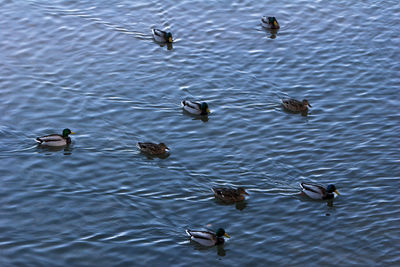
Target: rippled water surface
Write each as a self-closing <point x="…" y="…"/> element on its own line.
<point x="92" y="66"/>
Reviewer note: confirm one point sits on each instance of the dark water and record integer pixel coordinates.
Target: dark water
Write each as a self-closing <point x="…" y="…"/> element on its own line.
<point x="93" y="67"/>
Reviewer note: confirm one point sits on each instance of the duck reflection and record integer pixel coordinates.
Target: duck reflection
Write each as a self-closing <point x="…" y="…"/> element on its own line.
<point x="241" y="205"/>
<point x="168" y="45"/>
<point x="152" y="157"/>
<point x="272" y="33"/>
<point x="46" y="149"/>
<point x="220" y="248"/>
<point x="203" y="118"/>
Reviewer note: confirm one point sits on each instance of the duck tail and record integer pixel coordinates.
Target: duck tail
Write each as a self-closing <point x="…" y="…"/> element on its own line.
<point x="301" y="185"/>
<point x="38" y="140"/>
<point x="188" y="232"/>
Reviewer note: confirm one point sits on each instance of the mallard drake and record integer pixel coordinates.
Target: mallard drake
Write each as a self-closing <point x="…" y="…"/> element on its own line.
<point x="195" y="107"/>
<point x="295" y="105"/>
<point x="315" y="191"/>
<point x="56" y="139"/>
<point x="270" y="23"/>
<point x="207" y="238"/>
<point x="153" y="149"/>
<point x="230" y="195"/>
<point x="162" y="36"/>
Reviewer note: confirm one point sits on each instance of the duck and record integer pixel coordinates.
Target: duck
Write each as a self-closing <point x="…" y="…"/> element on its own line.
<point x="230" y="195"/>
<point x="162" y="36"/>
<point x="295" y="105"/>
<point x="207" y="238"/>
<point x="269" y="23"/>
<point x="195" y="107"/>
<point x="55" y="139"/>
<point x="152" y="148"/>
<point x="315" y="191"/>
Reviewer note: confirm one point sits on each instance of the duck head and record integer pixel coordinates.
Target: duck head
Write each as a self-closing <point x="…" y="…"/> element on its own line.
<point x="204" y="108"/>
<point x="273" y="22"/>
<point x="332" y="188"/>
<point x="242" y="191"/>
<point x="168" y="37"/>
<point x="66" y="132"/>
<point x="306" y="103"/>
<point x="163" y="146"/>
<point x="221" y="232"/>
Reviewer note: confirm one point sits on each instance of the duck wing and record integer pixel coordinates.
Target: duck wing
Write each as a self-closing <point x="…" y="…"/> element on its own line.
<point x="194" y="105"/>
<point x="293" y="104"/>
<point x="264" y="20"/>
<point x="159" y="35"/>
<point x="226" y="194"/>
<point x="202" y="237"/>
<point x="191" y="107"/>
<point x="158" y="32"/>
<point x="50" y="138"/>
<point x="149" y="148"/>
<point x="145" y="145"/>
<point x="313" y="190"/>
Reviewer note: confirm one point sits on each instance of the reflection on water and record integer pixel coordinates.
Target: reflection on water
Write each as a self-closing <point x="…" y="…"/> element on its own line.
<point x="240" y="205"/>
<point x="203" y="118"/>
<point x="220" y="248"/>
<point x="152" y="157"/>
<point x="272" y="33"/>
<point x="46" y="149"/>
<point x="304" y="197"/>
<point x="169" y="45"/>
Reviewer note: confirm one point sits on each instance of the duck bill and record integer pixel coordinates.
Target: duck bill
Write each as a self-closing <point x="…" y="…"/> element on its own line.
<point x="170" y="39"/>
<point x="275" y="24"/>
<point x="226" y="235"/>
<point x="72" y="133"/>
<point x="208" y="111"/>
<point x="309" y="105"/>
<point x="337" y="192"/>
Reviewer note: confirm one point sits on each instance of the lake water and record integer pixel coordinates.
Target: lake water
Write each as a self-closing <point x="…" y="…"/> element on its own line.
<point x="93" y="67"/>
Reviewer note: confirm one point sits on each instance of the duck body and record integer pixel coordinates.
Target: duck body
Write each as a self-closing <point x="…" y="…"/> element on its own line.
<point x="270" y="23"/>
<point x="55" y="140"/>
<point x="315" y="191"/>
<point x="230" y="195"/>
<point x="153" y="149"/>
<point x="207" y="238"/>
<point x="195" y="108"/>
<point x="295" y="105"/>
<point x="162" y="36"/>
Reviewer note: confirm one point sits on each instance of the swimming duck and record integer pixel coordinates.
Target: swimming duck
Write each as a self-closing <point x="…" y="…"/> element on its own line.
<point x="230" y="195"/>
<point x="153" y="149"/>
<point x="207" y="238"/>
<point x="195" y="107"/>
<point x="295" y="105"/>
<point x="56" y="139"/>
<point x="315" y="191"/>
<point x="162" y="36"/>
<point x="270" y="23"/>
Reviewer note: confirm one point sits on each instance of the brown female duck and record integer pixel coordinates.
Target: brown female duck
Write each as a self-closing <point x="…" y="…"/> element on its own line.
<point x="295" y="105"/>
<point x="153" y="149"/>
<point x="230" y="195"/>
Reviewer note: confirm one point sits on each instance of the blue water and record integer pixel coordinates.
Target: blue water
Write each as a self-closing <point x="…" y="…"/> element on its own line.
<point x="93" y="67"/>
